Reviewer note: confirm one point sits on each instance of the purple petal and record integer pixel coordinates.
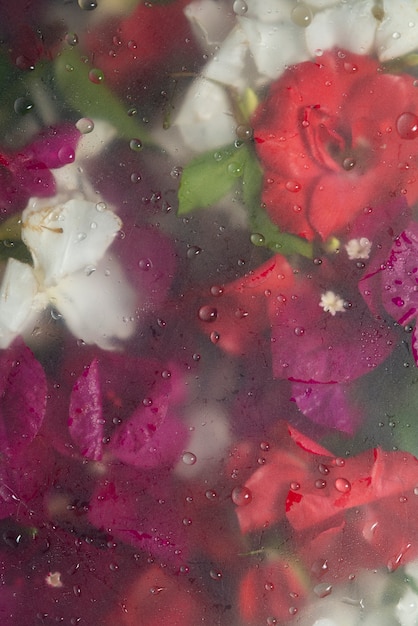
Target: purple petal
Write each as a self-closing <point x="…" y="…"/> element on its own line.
<point x="311" y="345"/>
<point x="86" y="415"/>
<point x="327" y="405"/>
<point x="393" y="281"/>
<point x="22" y="399"/>
<point x="54" y="147"/>
<point x="150" y="438"/>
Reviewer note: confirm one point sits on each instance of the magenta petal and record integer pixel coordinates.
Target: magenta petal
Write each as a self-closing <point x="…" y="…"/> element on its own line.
<point x="311" y="345"/>
<point x="85" y="414"/>
<point x="150" y="438"/>
<point x="394" y="283"/>
<point x="22" y="398"/>
<point x="328" y="405"/>
<point x="140" y="509"/>
<point x="55" y="146"/>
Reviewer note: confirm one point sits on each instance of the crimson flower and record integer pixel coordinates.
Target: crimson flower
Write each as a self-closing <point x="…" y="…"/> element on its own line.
<point x="334" y="142"/>
<point x="148" y="43"/>
<point x="26" y="172"/>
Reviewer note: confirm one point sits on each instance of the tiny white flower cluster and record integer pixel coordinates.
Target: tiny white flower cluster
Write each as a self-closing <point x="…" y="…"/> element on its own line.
<point x="332" y="303"/>
<point x="358" y="248"/>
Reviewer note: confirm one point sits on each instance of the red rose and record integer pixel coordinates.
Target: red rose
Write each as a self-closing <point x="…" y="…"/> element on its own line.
<point x="336" y="138"/>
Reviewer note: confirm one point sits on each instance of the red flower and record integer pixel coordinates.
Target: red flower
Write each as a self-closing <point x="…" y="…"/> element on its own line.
<point x="274" y="589"/>
<point x="152" y="40"/>
<point x="332" y="502"/>
<point x="334" y="142"/>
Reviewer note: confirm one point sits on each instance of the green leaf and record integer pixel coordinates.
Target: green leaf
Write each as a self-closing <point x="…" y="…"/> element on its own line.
<point x="210" y="176"/>
<point x="92" y="98"/>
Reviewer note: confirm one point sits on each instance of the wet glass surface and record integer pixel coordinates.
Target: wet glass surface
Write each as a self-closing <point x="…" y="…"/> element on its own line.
<point x="208" y="301"/>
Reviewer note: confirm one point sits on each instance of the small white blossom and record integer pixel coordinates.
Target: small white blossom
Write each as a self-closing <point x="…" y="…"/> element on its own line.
<point x="332" y="303"/>
<point x="358" y="248"/>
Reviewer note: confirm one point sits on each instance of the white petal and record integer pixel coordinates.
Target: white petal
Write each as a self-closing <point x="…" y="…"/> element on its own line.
<point x="97" y="304"/>
<point x="350" y="26"/>
<point x="274" y="46"/>
<point x="229" y="64"/>
<point x="398" y="33"/>
<point x="205" y="120"/>
<point x="20" y="302"/>
<point x="269" y="11"/>
<point x="66" y="238"/>
<point x="209" y="20"/>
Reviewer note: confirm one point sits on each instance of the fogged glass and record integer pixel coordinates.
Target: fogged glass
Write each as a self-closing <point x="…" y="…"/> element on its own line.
<point x="208" y="295"/>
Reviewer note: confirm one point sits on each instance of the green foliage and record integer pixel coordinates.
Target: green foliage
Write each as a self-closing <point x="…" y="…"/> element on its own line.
<point x="84" y="88"/>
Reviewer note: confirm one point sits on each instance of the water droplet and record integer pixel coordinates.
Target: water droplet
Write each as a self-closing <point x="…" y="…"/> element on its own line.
<point x="66" y="154"/>
<point x="176" y="171"/>
<point x="294" y="486"/>
<point x="101" y="206"/>
<point x="398" y="301"/>
<point x="187" y="521"/>
<point x="272" y="621"/>
<point x="240" y="7"/>
<point x="193" y="251"/>
<point x="241" y="496"/>
<point x="244" y="132"/>
<point x="87" y="5"/>
<point x="155" y="590"/>
<point x="342" y="485"/>
<point x="71" y="39"/>
<point x="293" y="186"/>
<point x="56" y="315"/>
<point x="89" y="269"/>
<point x="264" y="446"/>
<point x="235" y="170"/>
<point x="189" y="458"/>
<point x="322" y="590"/>
<point x="215" y="290"/>
<point x="257" y="239"/>
<point x="407" y="125"/>
<point x="135" y="145"/>
<point x="208" y="313"/>
<point x="320" y="484"/>
<point x="339" y="462"/>
<point x="323" y="469"/>
<point x="132" y="45"/>
<point x="301" y="15"/>
<point x="145" y="264"/>
<point x="166" y="374"/>
<point x="215" y="574"/>
<point x="268" y="586"/>
<point x="396" y="35"/>
<point x="96" y="76"/>
<point x="349" y="163"/>
<point x="299" y="331"/>
<point x="293" y="610"/>
<point x="84" y="125"/>
<point x="211" y="495"/>
<point x="23" y="105"/>
<point x="214" y="337"/>
<point x="135" y="177"/>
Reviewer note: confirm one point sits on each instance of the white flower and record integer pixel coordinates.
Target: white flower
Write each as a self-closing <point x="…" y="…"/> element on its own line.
<point x="389" y="28"/>
<point x="68" y="241"/>
<point x="332" y="303"/>
<point x="358" y="248"/>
